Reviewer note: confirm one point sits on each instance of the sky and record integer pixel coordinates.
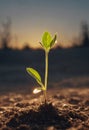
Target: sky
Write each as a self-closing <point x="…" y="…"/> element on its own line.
<point x="31" y="18"/>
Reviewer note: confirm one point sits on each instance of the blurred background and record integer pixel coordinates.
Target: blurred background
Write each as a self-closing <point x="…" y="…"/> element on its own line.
<point x="22" y="24"/>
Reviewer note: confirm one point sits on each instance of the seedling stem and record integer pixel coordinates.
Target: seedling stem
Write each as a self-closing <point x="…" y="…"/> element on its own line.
<point x="46" y="73"/>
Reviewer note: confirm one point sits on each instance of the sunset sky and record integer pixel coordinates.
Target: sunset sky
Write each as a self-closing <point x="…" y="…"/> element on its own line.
<point x="30" y="18"/>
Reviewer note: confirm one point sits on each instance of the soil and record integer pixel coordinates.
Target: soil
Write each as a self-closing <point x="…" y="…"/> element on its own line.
<point x="66" y="109"/>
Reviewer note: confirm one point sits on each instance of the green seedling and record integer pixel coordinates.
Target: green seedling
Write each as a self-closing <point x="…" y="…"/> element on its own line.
<point x="47" y="43"/>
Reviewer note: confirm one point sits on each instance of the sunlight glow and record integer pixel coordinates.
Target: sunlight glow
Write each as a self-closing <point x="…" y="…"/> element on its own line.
<point x="36" y="90"/>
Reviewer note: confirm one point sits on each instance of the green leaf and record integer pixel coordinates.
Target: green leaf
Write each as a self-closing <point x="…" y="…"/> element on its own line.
<point x="46" y="40"/>
<point x="53" y="41"/>
<point x="34" y="74"/>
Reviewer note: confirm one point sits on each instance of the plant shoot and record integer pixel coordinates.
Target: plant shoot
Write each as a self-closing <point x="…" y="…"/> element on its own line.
<point x="47" y="43"/>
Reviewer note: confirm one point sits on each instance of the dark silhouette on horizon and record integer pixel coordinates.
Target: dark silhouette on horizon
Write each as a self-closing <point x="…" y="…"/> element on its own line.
<point x="83" y="40"/>
<point x="5" y="35"/>
<point x="85" y="35"/>
<point x="6" y="38"/>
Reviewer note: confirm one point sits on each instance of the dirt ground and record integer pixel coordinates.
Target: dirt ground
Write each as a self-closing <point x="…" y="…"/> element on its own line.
<point x="66" y="109"/>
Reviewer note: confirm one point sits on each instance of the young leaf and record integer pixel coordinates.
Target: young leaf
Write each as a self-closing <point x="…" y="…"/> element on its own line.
<point x="53" y="41"/>
<point x="46" y="40"/>
<point x="34" y="74"/>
